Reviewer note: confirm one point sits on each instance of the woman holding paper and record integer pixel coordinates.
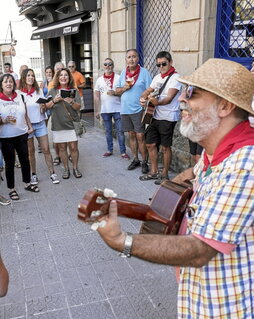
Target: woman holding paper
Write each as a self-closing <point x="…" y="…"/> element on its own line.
<point x="36" y="112"/>
<point x="65" y="106"/>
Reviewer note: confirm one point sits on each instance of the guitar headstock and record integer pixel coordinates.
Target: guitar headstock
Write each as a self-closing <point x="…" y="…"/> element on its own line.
<point x="95" y="204"/>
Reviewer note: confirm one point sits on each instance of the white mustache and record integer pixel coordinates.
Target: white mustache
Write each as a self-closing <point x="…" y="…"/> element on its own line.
<point x="185" y="107"/>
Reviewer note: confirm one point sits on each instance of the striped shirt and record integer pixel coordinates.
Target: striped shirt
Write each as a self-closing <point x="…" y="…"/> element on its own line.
<point x="224" y="211"/>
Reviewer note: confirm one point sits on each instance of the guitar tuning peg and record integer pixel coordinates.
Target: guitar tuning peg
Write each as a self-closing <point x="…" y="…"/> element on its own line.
<point x="98" y="190"/>
<point x="95" y="214"/>
<point x="109" y="193"/>
<point x="100" y="200"/>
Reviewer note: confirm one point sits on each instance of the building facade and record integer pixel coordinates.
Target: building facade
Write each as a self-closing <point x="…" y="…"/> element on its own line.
<point x="192" y="30"/>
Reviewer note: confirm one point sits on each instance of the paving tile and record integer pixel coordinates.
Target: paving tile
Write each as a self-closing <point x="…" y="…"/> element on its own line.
<point x="59" y="267"/>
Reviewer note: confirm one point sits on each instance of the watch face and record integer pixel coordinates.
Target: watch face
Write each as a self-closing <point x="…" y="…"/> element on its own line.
<point x="76" y="5"/>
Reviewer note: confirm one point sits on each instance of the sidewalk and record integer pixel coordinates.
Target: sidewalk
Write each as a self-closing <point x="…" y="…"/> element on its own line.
<point x="59" y="267"/>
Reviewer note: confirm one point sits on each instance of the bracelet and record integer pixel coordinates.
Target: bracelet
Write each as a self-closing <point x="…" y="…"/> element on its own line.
<point x="127" y="246"/>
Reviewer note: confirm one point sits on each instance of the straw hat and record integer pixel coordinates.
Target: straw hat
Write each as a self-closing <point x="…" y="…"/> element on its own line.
<point x="227" y="79"/>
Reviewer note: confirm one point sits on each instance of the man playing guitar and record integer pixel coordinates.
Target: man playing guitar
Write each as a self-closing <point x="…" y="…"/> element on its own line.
<point x="166" y="114"/>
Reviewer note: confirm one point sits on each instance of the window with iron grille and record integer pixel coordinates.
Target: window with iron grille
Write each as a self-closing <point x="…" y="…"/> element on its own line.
<point x="153" y="31"/>
<point x="235" y="31"/>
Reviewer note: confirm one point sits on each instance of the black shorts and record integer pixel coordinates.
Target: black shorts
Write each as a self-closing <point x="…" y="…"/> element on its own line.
<point x="160" y="132"/>
<point x="195" y="148"/>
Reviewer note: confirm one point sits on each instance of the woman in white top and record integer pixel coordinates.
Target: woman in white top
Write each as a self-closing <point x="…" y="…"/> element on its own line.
<point x="14" y="127"/>
<point x="31" y="92"/>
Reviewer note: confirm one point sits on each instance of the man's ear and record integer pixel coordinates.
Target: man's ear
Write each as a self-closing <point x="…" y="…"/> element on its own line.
<point x="225" y="108"/>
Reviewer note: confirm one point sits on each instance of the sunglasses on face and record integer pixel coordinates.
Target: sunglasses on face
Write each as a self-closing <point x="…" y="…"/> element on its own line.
<point x="188" y="90"/>
<point x="108" y="64"/>
<point x="161" y="64"/>
<point x="71" y="66"/>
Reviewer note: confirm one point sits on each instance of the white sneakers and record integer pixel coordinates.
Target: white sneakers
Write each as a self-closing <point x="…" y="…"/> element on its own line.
<point x="34" y="180"/>
<point x="53" y="177"/>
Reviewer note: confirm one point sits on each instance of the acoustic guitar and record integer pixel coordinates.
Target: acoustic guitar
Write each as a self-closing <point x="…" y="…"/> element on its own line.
<point x="149" y="109"/>
<point x="162" y="216"/>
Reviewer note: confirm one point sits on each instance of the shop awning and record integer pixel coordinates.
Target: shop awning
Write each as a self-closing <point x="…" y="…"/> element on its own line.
<point x="63" y="27"/>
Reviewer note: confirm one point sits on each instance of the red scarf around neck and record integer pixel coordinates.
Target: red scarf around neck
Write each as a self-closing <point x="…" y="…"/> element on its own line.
<point x="30" y="92"/>
<point x="239" y="136"/>
<point x="170" y="71"/>
<point x="133" y="75"/>
<point x="109" y="79"/>
<point x="6" y="98"/>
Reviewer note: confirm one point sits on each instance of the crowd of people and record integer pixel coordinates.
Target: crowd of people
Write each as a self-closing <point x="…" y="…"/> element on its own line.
<point x="213" y="252"/>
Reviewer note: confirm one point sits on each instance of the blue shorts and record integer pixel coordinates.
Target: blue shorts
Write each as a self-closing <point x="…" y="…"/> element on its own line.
<point x="40" y="129"/>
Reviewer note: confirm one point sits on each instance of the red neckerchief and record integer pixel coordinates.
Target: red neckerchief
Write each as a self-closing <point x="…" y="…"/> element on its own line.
<point x="30" y="92"/>
<point x="6" y="98"/>
<point x="241" y="135"/>
<point x="109" y="79"/>
<point x="133" y="75"/>
<point x="170" y="71"/>
<point x="59" y="88"/>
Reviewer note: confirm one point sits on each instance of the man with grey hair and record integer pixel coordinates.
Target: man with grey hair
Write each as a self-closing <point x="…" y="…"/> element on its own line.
<point x="215" y="246"/>
<point x="79" y="80"/>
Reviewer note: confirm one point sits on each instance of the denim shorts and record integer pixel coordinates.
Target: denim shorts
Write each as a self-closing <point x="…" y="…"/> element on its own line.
<point x="40" y="129"/>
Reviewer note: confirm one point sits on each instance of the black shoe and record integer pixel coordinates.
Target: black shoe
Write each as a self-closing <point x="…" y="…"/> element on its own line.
<point x="144" y="168"/>
<point x="133" y="164"/>
<point x="161" y="179"/>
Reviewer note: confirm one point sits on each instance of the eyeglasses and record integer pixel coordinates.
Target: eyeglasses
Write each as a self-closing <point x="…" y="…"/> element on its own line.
<point x="188" y="90"/>
<point x="71" y="66"/>
<point x="108" y="64"/>
<point x="161" y="64"/>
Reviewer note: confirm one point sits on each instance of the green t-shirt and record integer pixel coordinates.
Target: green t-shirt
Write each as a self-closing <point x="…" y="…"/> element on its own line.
<point x="60" y="119"/>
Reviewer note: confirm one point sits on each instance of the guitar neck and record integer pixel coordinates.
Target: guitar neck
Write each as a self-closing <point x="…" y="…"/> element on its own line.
<point x="138" y="211"/>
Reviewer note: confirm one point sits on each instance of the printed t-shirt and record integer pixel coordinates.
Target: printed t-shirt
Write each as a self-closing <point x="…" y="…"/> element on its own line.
<point x="109" y="104"/>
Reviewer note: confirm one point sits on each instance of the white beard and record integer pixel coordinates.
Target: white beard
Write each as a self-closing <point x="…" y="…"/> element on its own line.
<point x="202" y="123"/>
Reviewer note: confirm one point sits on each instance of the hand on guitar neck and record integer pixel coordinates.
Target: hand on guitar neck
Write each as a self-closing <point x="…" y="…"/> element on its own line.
<point x="167" y="206"/>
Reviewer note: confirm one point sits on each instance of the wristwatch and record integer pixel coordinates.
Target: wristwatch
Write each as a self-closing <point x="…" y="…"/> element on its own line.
<point x="127" y="246"/>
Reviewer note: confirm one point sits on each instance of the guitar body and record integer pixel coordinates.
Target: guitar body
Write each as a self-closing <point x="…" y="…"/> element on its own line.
<point x="148" y="113"/>
<point x="171" y="202"/>
<point x="162" y="216"/>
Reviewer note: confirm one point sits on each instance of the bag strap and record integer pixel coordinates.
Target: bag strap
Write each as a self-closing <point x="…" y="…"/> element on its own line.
<point x="69" y="114"/>
<point x="164" y="84"/>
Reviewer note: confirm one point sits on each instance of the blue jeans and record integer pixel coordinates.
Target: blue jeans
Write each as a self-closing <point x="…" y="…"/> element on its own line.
<point x="107" y="119"/>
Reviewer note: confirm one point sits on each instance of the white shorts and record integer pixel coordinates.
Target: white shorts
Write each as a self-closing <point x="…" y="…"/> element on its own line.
<point x="64" y="136"/>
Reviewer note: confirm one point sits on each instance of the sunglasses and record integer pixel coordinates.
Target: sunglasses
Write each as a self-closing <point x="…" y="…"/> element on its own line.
<point x="188" y="90"/>
<point x="161" y="64"/>
<point x="108" y="64"/>
<point x="71" y="66"/>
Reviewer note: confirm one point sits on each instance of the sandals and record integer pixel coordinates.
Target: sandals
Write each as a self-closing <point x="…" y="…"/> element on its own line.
<point x="32" y="188"/>
<point x="77" y="173"/>
<point x="66" y="174"/>
<point x="161" y="179"/>
<point x="148" y="177"/>
<point x="56" y="161"/>
<point x="14" y="195"/>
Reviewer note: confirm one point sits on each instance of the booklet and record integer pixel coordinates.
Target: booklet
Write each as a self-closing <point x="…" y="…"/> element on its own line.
<point x="67" y="93"/>
<point x="44" y="100"/>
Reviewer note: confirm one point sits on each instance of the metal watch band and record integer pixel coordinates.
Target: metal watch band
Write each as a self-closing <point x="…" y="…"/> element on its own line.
<point x="127" y="246"/>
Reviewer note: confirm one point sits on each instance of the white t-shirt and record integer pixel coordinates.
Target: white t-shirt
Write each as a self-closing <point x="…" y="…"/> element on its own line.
<point x="109" y="104"/>
<point x="17" y="109"/>
<point x="171" y="111"/>
<point x="33" y="108"/>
